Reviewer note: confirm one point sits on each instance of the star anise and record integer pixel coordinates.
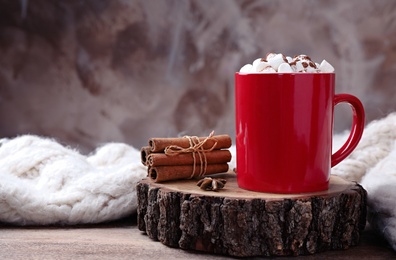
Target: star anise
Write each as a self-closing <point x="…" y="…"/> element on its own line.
<point x="213" y="184"/>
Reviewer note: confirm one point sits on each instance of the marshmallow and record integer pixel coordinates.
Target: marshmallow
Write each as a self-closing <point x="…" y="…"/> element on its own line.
<point x="255" y="63"/>
<point x="310" y="69"/>
<point x="248" y="68"/>
<point x="285" y="68"/>
<point x="268" y="70"/>
<point x="309" y="66"/>
<point x="261" y="66"/>
<point x="270" y="55"/>
<point x="302" y="57"/>
<point x="276" y="60"/>
<point x="299" y="66"/>
<point x="326" y="67"/>
<point x="289" y="59"/>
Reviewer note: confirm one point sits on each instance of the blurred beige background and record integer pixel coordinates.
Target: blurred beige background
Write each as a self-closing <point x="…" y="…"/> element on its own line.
<point x="93" y="71"/>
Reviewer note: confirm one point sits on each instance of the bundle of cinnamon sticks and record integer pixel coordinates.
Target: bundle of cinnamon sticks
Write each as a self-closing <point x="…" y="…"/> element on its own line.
<point x="186" y="157"/>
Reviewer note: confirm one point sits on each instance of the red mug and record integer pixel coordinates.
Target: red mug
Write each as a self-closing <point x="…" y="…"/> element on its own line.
<point x="284" y="127"/>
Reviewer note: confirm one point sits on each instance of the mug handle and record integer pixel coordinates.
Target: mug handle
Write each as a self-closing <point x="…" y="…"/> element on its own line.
<point x="357" y="127"/>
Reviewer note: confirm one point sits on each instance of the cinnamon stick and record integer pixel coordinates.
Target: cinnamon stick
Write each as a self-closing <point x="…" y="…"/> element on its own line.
<point x="213" y="157"/>
<point x="145" y="151"/>
<point x="159" y="144"/>
<point x="167" y="173"/>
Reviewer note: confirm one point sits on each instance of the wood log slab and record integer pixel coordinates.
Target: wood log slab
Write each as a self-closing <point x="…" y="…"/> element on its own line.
<point x="242" y="223"/>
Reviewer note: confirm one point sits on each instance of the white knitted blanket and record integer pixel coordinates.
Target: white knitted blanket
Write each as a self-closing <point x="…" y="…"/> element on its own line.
<point x="43" y="182"/>
<point x="373" y="165"/>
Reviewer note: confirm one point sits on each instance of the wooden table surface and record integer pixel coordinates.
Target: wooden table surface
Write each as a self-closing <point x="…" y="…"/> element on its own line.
<point x="122" y="240"/>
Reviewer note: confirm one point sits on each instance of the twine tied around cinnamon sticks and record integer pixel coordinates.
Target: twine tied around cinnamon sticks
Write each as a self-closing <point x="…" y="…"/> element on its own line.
<point x="186" y="157"/>
<point x="196" y="147"/>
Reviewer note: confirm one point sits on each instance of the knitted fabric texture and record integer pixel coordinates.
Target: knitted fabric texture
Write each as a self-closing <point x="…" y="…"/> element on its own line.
<point x="373" y="165"/>
<point x="43" y="182"/>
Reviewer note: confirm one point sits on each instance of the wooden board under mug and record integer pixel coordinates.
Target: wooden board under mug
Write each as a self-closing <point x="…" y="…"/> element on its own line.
<point x="238" y="222"/>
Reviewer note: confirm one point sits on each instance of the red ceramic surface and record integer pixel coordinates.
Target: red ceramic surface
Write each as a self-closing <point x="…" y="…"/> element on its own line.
<point x="284" y="125"/>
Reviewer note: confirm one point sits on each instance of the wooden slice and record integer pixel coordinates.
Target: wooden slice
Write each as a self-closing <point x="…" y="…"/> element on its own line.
<point x="238" y="222"/>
